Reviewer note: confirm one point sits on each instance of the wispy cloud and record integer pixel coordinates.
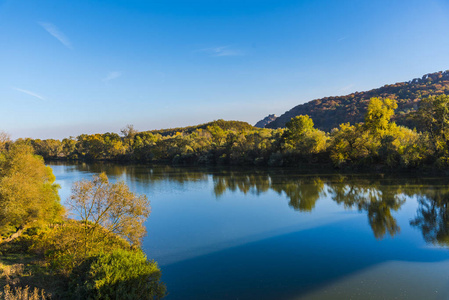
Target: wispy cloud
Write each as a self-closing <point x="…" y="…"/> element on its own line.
<point x="112" y="75"/>
<point x="56" y="33"/>
<point x="346" y="88"/>
<point x="29" y="93"/>
<point x="221" y="51"/>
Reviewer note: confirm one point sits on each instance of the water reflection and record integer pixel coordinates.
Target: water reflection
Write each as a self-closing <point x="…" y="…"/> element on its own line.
<point x="376" y="199"/>
<point x="303" y="192"/>
<point x="432" y="217"/>
<point x="324" y="236"/>
<point x="378" y="196"/>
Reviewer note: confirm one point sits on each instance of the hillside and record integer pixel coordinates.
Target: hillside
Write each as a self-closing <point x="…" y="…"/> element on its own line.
<point x="265" y="121"/>
<point x="225" y="125"/>
<point x="327" y="113"/>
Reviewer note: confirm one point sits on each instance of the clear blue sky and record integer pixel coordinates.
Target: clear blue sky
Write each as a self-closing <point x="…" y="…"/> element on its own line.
<point x="72" y="67"/>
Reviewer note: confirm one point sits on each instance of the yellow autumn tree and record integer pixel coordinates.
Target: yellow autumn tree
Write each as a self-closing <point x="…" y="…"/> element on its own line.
<point x="28" y="194"/>
<point x="112" y="206"/>
<point x="378" y="115"/>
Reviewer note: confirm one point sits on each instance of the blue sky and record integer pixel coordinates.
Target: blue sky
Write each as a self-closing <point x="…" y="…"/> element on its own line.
<point x="72" y="67"/>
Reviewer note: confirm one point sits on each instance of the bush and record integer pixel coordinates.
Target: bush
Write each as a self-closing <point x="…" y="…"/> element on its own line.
<point x="65" y="246"/>
<point x="120" y="274"/>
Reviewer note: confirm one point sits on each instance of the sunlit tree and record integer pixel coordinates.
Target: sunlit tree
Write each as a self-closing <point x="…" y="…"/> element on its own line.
<point x="378" y="115"/>
<point x="99" y="203"/>
<point x="28" y="194"/>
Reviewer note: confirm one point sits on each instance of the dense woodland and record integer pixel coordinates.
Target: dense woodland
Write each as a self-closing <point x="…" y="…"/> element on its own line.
<point x="330" y="112"/>
<point x="377" y="141"/>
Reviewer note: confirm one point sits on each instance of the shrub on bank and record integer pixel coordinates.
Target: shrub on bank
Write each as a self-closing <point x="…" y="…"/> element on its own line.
<point x="120" y="274"/>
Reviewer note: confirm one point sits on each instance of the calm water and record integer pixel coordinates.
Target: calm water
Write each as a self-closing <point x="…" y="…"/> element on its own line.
<point x="257" y="234"/>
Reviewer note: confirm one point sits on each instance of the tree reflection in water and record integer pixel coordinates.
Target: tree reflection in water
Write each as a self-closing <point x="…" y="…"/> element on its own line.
<point x="433" y="216"/>
<point x="303" y="193"/>
<point x="376" y="199"/>
<point x="376" y="195"/>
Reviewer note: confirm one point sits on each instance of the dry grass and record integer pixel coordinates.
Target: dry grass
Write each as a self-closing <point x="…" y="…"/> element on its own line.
<point x="11" y="271"/>
<point x="11" y="274"/>
<point x="19" y="293"/>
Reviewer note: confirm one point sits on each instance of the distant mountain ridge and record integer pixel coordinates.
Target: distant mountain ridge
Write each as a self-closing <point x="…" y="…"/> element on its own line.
<point x="329" y="112"/>
<point x="265" y="121"/>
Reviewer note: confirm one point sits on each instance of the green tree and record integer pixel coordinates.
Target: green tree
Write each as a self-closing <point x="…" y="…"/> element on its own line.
<point x="28" y="195"/>
<point x="218" y="135"/>
<point x="297" y="128"/>
<point x="300" y="135"/>
<point x="402" y="146"/>
<point x="352" y="144"/>
<point x="66" y="246"/>
<point x="69" y="148"/>
<point x="433" y="114"/>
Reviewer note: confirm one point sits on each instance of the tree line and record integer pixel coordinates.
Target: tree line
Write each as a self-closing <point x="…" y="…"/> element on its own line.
<point x="376" y="141"/>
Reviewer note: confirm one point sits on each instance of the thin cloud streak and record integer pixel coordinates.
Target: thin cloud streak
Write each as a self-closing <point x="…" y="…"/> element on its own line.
<point x="56" y="33"/>
<point x="221" y="51"/>
<point x="29" y="93"/>
<point x="112" y="75"/>
<point x="346" y="88"/>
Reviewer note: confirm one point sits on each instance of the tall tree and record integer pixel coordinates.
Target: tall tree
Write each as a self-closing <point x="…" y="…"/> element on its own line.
<point x="303" y="137"/>
<point x="378" y="115"/>
<point x="28" y="194"/>
<point x="99" y="203"/>
<point x="433" y="115"/>
<point x="4" y="140"/>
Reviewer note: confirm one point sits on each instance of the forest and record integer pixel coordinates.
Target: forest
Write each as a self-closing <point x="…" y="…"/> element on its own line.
<point x="378" y="141"/>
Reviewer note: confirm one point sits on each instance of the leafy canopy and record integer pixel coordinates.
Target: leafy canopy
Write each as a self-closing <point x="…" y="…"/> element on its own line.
<point x="433" y="114"/>
<point x="120" y="274"/>
<point x="378" y="115"/>
<point x="110" y="205"/>
<point x="28" y="194"/>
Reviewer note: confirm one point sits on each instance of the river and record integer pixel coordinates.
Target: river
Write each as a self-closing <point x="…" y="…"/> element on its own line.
<point x="234" y="233"/>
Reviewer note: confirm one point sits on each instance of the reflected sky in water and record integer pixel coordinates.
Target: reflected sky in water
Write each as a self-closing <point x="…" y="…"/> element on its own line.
<point x="282" y="234"/>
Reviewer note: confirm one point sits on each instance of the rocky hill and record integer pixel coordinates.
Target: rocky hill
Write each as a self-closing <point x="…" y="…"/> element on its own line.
<point x="265" y="121"/>
<point x="327" y="113"/>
